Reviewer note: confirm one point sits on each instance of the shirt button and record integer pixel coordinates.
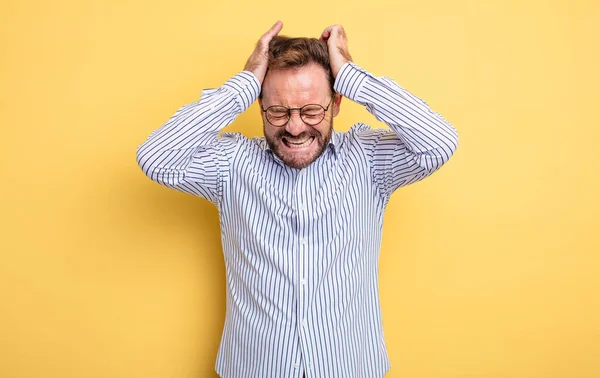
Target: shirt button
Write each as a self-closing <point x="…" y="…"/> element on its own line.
<point x="304" y="323"/>
<point x="296" y="365"/>
<point x="303" y="281"/>
<point x="303" y="241"/>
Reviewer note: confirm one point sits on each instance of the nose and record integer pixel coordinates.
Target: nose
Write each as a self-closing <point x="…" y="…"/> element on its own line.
<point x="295" y="125"/>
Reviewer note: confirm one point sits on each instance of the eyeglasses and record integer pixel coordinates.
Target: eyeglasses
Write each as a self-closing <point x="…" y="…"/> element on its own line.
<point x="311" y="114"/>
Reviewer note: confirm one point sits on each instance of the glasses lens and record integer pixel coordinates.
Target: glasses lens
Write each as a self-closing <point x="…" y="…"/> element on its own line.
<point x="312" y="114"/>
<point x="277" y="115"/>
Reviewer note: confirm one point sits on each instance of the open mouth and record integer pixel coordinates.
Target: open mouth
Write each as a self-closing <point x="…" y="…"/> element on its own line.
<point x="298" y="143"/>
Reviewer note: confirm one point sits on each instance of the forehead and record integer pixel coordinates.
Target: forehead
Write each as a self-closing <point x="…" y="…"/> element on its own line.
<point x="295" y="87"/>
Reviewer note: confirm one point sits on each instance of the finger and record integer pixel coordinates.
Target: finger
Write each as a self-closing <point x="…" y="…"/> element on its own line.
<point x="327" y="32"/>
<point x="263" y="42"/>
<point x="275" y="29"/>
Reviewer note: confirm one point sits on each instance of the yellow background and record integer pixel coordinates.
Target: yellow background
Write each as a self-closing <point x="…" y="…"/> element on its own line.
<point x="490" y="268"/>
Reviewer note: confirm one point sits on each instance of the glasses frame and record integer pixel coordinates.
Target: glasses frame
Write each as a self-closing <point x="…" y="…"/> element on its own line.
<point x="289" y="113"/>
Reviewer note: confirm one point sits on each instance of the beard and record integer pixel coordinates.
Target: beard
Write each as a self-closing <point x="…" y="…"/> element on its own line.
<point x="276" y="144"/>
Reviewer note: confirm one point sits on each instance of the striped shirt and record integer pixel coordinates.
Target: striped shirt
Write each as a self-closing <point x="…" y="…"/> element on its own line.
<point x="301" y="247"/>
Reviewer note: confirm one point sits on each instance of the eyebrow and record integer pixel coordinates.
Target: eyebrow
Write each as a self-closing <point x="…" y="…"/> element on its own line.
<point x="297" y="107"/>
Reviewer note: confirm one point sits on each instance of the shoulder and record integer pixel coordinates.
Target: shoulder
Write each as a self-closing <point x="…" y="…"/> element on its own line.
<point x="240" y="138"/>
<point x="360" y="134"/>
<point x="241" y="144"/>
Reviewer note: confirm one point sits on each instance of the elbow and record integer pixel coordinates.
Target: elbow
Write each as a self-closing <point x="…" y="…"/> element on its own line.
<point x="141" y="159"/>
<point x="452" y="146"/>
<point x="146" y="160"/>
<point x="448" y="145"/>
<point x="441" y="154"/>
<point x="159" y="166"/>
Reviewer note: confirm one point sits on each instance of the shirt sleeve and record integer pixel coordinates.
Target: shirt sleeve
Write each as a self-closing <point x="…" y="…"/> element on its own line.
<point x="419" y="141"/>
<point x="186" y="153"/>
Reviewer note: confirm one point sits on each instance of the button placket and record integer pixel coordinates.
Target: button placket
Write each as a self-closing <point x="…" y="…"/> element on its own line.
<point x="300" y="197"/>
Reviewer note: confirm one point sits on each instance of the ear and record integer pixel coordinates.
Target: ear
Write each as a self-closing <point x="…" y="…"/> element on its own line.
<point x="337" y="101"/>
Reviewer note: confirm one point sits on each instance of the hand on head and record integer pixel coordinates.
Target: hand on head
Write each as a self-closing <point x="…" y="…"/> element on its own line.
<point x="259" y="60"/>
<point x="337" y="45"/>
<point x="334" y="35"/>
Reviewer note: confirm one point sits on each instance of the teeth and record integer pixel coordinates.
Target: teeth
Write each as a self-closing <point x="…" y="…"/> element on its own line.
<point x="304" y="141"/>
<point x="299" y="144"/>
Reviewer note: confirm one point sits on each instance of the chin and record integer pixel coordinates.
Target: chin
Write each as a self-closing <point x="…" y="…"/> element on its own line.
<point x="298" y="162"/>
<point x="298" y="156"/>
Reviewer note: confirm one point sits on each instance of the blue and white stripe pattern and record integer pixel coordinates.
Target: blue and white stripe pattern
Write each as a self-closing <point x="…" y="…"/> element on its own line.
<point x="301" y="246"/>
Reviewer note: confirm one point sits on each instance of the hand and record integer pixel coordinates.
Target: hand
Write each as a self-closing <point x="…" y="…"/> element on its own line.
<point x="337" y="45"/>
<point x="259" y="60"/>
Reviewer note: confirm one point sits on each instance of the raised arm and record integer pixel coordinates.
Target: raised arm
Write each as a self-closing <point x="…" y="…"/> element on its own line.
<point x="185" y="154"/>
<point x="420" y="140"/>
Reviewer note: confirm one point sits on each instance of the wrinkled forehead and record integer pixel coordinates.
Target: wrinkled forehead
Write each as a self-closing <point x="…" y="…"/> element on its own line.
<point x="294" y="87"/>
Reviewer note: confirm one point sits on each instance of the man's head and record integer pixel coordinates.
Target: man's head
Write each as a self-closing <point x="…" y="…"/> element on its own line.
<point x="299" y="75"/>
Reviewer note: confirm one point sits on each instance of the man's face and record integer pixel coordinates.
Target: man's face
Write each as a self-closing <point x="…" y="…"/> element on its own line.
<point x="297" y="143"/>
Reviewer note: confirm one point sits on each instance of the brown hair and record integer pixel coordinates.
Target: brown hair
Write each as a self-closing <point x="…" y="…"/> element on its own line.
<point x="286" y="52"/>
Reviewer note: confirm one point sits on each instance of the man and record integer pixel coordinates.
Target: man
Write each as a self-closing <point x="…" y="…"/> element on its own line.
<point x="301" y="209"/>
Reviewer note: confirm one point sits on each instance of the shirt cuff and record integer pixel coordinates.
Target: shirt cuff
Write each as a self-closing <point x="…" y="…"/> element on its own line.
<point x="350" y="80"/>
<point x="246" y="88"/>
